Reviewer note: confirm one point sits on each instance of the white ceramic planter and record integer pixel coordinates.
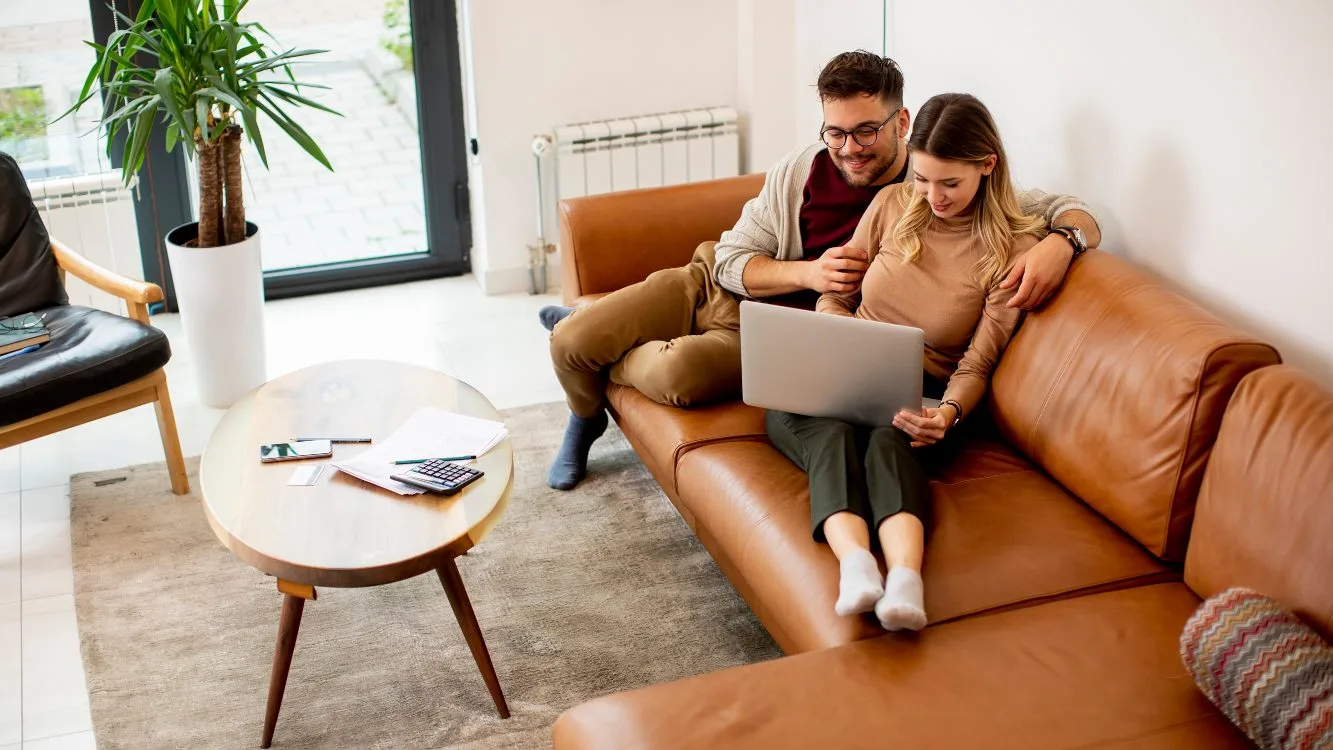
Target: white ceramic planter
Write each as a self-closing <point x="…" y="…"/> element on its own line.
<point x="220" y="291"/>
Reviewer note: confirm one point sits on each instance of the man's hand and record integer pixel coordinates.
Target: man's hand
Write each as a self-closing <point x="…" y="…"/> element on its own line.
<point x="928" y="426"/>
<point x="839" y="269"/>
<point x="1041" y="271"/>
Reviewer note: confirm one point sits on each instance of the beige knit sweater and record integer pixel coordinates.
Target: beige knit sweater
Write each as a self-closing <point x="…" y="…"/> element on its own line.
<point x="770" y="223"/>
<point x="967" y="322"/>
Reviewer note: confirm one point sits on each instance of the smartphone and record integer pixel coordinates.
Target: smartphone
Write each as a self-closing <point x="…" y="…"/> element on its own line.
<point x="295" y="451"/>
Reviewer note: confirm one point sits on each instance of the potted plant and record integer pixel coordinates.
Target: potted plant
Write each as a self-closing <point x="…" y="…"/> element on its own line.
<point x="195" y="67"/>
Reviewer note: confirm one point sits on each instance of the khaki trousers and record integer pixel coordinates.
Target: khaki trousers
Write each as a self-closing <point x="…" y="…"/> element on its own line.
<point x="675" y="336"/>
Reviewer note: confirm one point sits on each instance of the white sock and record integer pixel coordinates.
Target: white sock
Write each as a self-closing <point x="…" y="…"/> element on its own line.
<point x="858" y="586"/>
<point x="903" y="606"/>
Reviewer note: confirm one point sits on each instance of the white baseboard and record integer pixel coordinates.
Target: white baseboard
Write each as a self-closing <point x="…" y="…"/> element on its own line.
<point x="514" y="280"/>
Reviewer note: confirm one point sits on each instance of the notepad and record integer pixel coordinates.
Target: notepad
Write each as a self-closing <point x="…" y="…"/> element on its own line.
<point x="429" y="432"/>
<point x="21" y="332"/>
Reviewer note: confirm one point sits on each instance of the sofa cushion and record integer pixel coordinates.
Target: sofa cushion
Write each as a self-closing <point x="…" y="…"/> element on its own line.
<point x="90" y="352"/>
<point x="1001" y="538"/>
<point x="666" y="433"/>
<point x="1265" y="516"/>
<point x="1099" y="671"/>
<point x="1116" y="388"/>
<point x="1262" y="667"/>
<point x="29" y="278"/>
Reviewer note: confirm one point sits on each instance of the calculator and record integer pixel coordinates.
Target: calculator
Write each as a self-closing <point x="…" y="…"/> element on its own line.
<point x="439" y="476"/>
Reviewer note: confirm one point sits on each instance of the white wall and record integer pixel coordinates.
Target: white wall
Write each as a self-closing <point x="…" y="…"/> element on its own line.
<point x="536" y="64"/>
<point x="783" y="46"/>
<point x="824" y="30"/>
<point x="1199" y="129"/>
<point x="765" y="69"/>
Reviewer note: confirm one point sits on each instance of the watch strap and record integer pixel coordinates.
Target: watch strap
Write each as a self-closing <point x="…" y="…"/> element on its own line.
<point x="1069" y="234"/>
<point x="957" y="410"/>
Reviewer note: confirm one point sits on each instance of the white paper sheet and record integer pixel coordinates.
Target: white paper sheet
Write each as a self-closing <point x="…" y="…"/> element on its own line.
<point x="428" y="433"/>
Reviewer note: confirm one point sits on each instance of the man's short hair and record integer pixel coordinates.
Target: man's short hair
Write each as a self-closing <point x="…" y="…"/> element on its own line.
<point x="861" y="73"/>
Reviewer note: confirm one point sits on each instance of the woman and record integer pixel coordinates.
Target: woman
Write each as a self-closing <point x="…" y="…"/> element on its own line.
<point x="940" y="245"/>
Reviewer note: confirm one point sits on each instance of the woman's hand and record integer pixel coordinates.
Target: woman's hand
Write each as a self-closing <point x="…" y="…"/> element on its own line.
<point x="1040" y="272"/>
<point x="928" y="426"/>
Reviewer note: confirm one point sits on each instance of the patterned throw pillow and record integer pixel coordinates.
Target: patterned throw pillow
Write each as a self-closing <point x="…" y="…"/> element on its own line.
<point x="1264" y="668"/>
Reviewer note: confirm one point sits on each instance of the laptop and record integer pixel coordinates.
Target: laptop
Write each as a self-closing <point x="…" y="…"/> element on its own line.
<point x="821" y="365"/>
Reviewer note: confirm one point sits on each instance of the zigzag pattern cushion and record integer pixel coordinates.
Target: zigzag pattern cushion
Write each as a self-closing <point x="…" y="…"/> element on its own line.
<point x="1264" y="668"/>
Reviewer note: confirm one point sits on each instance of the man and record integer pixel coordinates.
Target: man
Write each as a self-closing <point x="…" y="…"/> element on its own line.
<point x="676" y="335"/>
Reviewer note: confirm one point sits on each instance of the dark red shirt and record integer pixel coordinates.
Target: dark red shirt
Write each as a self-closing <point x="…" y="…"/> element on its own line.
<point x="831" y="208"/>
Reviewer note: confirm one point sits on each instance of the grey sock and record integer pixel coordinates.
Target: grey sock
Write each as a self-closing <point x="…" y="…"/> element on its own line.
<point x="902" y="606"/>
<point x="571" y="463"/>
<point x="552" y="314"/>
<point x="859" y="584"/>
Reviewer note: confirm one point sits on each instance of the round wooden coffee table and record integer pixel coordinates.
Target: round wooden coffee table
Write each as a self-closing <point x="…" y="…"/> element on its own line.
<point x="344" y="532"/>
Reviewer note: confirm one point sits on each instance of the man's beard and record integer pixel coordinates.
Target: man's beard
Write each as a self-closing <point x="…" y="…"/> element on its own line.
<point x="878" y="169"/>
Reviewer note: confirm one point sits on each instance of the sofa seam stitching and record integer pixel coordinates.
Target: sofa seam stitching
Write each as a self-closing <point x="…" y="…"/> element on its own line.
<point x="1038" y="600"/>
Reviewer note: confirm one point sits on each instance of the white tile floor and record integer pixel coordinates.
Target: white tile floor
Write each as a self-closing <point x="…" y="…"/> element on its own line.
<point x="493" y="343"/>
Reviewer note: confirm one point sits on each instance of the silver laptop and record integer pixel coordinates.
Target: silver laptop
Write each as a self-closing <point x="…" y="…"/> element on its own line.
<point x="823" y="365"/>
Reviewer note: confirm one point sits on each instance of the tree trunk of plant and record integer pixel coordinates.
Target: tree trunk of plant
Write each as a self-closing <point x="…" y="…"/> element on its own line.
<point x="234" y="210"/>
<point x="210" y="194"/>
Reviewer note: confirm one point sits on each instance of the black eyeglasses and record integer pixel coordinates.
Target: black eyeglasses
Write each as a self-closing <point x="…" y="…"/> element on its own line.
<point x="865" y="135"/>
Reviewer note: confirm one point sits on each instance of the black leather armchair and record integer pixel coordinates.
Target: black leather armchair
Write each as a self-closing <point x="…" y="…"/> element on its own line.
<point x="96" y="363"/>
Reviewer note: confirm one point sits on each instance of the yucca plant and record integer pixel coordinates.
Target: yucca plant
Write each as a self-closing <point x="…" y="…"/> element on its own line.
<point x="207" y="76"/>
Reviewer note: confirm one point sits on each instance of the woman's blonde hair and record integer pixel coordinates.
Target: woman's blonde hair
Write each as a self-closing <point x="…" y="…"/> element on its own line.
<point x="958" y="127"/>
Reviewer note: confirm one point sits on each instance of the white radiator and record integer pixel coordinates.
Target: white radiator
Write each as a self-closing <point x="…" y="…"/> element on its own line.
<point x="92" y="215"/>
<point x="654" y="150"/>
<point x="646" y="151"/>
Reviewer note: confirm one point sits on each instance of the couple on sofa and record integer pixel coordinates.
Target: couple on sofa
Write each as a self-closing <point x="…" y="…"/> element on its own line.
<point x="945" y="245"/>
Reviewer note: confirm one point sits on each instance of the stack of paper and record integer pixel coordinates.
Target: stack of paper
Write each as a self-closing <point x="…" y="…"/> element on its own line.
<point x="428" y="433"/>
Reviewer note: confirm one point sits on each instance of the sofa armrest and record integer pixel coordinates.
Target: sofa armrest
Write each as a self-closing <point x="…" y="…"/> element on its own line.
<point x="612" y="240"/>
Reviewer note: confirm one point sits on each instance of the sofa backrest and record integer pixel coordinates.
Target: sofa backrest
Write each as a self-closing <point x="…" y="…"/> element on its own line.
<point x="613" y="240"/>
<point x="1265" y="515"/>
<point x="1116" y="388"/>
<point x="29" y="278"/>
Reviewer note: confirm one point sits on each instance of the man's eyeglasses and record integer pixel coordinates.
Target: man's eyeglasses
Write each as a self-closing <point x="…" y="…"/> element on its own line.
<point x="866" y="135"/>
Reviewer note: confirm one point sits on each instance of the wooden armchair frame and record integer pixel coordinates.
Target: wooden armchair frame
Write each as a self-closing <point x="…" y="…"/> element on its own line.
<point x="149" y="389"/>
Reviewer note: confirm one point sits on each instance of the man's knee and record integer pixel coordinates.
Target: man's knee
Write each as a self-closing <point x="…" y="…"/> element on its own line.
<point x="671" y="380"/>
<point x="676" y="378"/>
<point x="569" y="342"/>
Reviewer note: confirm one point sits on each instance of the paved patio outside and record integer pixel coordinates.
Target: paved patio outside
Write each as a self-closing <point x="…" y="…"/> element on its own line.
<point x="371" y="205"/>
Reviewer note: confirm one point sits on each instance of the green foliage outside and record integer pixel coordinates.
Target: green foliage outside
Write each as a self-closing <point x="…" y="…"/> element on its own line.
<point x="397" y="37"/>
<point x="23" y="122"/>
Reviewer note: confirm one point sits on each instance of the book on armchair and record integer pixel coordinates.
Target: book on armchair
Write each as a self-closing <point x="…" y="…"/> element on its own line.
<point x="21" y="332"/>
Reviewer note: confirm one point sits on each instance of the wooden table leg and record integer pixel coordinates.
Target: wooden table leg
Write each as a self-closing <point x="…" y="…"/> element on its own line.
<point x="467" y="620"/>
<point x="293" y="604"/>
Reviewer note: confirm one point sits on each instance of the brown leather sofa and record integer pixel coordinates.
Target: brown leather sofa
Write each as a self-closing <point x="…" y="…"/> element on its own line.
<point x="1054" y="577"/>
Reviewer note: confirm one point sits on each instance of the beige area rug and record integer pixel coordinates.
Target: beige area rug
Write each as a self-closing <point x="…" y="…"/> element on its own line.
<point x="579" y="594"/>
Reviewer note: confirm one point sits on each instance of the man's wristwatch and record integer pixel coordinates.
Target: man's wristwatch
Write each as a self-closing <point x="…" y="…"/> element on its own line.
<point x="1075" y="237"/>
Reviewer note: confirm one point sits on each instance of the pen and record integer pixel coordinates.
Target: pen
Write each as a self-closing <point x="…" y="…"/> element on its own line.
<point x="333" y="440"/>
<point x="24" y="350"/>
<point x="424" y="460"/>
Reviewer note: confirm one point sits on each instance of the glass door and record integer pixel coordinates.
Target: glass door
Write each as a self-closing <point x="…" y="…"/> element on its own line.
<point x="378" y="216"/>
<point x="395" y="206"/>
